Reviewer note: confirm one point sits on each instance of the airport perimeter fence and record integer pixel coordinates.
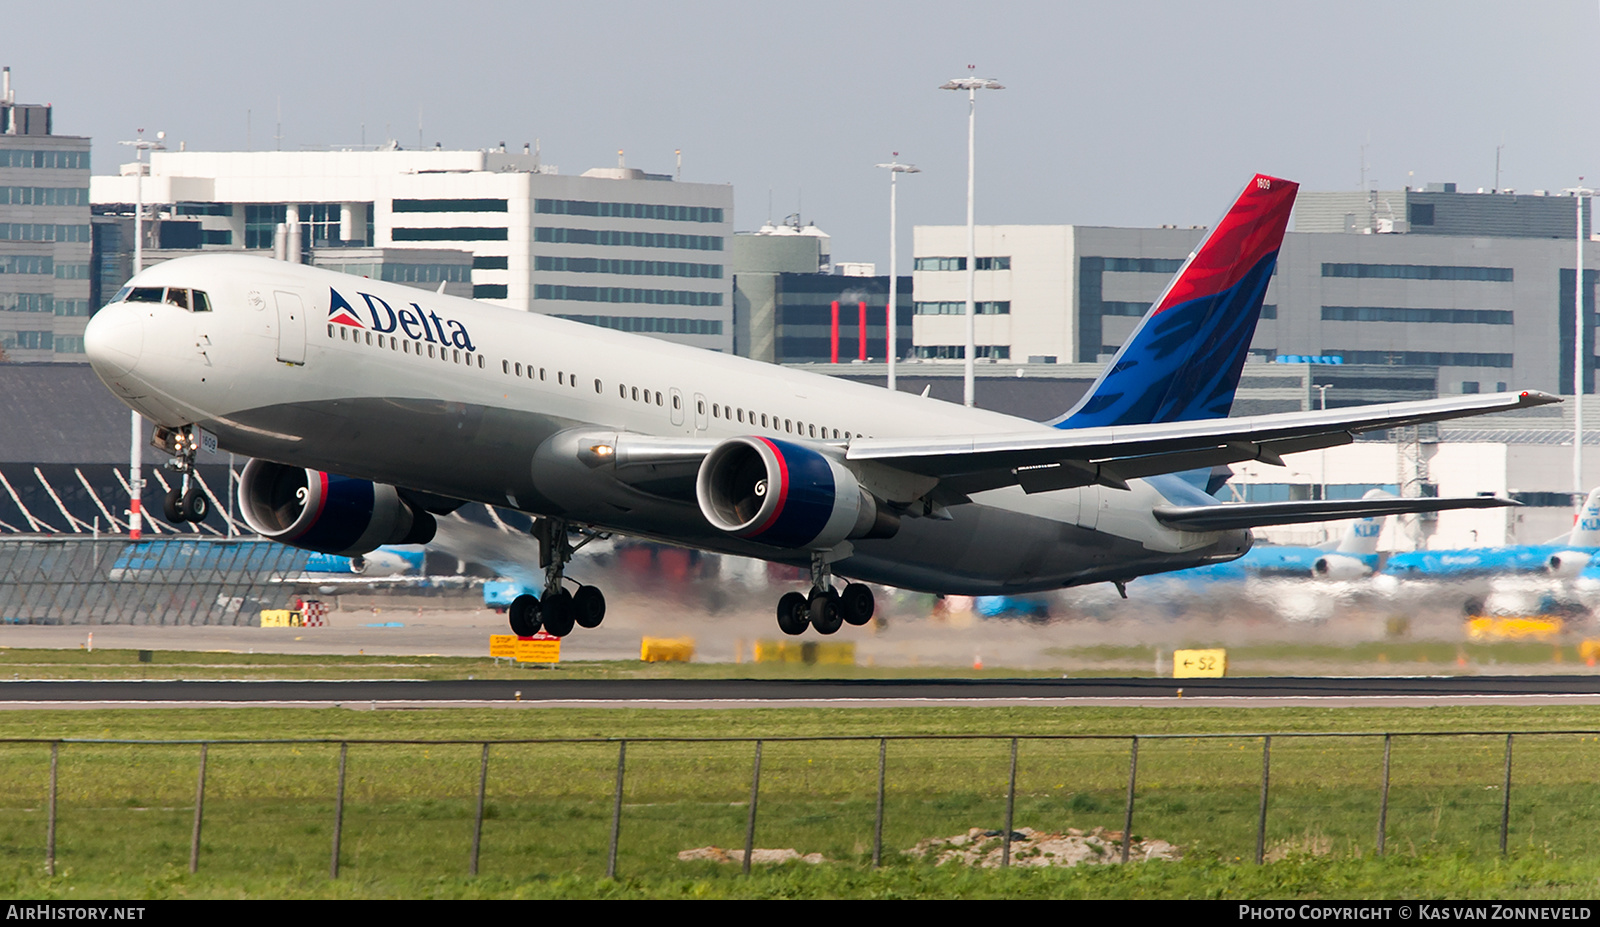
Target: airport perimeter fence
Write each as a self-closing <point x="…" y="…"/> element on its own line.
<point x="51" y="580"/>
<point x="569" y="804"/>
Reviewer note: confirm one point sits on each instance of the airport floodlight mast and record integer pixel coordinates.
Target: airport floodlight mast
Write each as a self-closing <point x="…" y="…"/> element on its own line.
<point x="971" y="85"/>
<point x="1578" y="378"/>
<point x="136" y="448"/>
<point x="895" y="168"/>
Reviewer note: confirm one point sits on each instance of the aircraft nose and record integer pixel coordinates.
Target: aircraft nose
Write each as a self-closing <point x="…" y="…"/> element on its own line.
<point x="114" y="339"/>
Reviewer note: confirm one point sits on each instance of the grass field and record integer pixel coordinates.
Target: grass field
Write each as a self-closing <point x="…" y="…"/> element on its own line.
<point x="125" y="811"/>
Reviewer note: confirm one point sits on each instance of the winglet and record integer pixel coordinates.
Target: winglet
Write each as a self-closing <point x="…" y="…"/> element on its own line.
<point x="1183" y="361"/>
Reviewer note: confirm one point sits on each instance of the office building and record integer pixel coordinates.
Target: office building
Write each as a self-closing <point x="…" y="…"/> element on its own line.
<point x="615" y="247"/>
<point x="44" y="234"/>
<point x="792" y="304"/>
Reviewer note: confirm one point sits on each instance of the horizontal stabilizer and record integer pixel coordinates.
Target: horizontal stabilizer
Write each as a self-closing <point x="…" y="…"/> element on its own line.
<point x="1229" y="516"/>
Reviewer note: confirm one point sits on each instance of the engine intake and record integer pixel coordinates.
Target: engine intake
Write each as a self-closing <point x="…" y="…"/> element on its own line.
<point x="1567" y="563"/>
<point x="327" y="513"/>
<point x="787" y="495"/>
<point x="1340" y="567"/>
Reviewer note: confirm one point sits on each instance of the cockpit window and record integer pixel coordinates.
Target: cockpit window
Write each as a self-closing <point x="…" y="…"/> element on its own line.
<point x="122" y="294"/>
<point x="202" y="303"/>
<point x="177" y="296"/>
<point x="144" y="294"/>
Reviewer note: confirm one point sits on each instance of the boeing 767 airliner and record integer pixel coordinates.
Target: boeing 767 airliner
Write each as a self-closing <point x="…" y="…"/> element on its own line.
<point x="370" y="408"/>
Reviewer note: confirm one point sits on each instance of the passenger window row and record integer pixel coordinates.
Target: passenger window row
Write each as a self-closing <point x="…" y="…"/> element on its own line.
<point x="789" y="426"/>
<point x="638" y="395"/>
<point x="406" y="346"/>
<point x="538" y="373"/>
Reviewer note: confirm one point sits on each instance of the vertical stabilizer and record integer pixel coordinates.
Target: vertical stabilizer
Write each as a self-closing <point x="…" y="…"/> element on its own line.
<point x="1586" y="533"/>
<point x="1361" y="539"/>
<point x="1183" y="361"/>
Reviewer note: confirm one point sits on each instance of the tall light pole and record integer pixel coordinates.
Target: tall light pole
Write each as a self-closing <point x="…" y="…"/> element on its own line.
<point x="136" y="424"/>
<point x="971" y="85"/>
<point x="1322" y="465"/>
<point x="895" y="168"/>
<point x="1578" y="326"/>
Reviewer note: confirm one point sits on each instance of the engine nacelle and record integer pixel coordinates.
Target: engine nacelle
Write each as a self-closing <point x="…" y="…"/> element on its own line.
<point x="1340" y="567"/>
<point x="327" y="513"/>
<point x="1567" y="564"/>
<point x="787" y="495"/>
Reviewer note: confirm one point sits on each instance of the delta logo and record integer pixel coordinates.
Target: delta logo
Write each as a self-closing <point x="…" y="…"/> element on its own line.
<point x="418" y="325"/>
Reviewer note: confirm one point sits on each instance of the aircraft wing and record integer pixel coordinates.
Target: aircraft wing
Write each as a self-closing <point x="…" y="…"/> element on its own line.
<point x="1042" y="461"/>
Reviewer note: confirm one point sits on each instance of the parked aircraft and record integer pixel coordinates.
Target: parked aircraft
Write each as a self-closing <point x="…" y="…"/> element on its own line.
<point x="372" y="408"/>
<point x="1565" y="557"/>
<point x="386" y="561"/>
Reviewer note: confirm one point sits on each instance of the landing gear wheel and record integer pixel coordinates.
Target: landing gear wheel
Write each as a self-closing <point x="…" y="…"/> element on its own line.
<point x="856" y="604"/>
<point x="195" y="505"/>
<point x="557" y="611"/>
<point x="172" y="506"/>
<point x="588" y="607"/>
<point x="794" y="615"/>
<point x="524" y="614"/>
<point x="825" y="614"/>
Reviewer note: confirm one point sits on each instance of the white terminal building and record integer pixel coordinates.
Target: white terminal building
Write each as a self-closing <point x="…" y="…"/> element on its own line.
<point x="614" y="247"/>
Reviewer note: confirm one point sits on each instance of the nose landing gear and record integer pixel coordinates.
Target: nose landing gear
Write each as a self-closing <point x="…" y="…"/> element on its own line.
<point x="824" y="608"/>
<point x="558" y="611"/>
<point x="186" y="501"/>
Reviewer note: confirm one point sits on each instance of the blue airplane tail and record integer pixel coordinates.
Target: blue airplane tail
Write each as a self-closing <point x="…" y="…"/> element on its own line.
<point x="1183" y="361"/>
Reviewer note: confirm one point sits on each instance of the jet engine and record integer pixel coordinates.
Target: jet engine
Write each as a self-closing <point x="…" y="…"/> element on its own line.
<point x="1340" y="567"/>
<point x="1567" y="563"/>
<point x="787" y="495"/>
<point x="327" y="513"/>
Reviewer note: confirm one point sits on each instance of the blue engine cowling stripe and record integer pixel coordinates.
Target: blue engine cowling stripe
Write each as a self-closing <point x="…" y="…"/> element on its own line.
<point x="808" y="500"/>
<point x="347" y="509"/>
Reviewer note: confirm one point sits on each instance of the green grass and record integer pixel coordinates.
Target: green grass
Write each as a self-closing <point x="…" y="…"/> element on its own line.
<point x="125" y="811"/>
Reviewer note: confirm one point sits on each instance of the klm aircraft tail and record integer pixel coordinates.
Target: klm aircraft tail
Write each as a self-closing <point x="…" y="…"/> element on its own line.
<point x="1362" y="537"/>
<point x="1586" y="532"/>
<point x="1183" y="361"/>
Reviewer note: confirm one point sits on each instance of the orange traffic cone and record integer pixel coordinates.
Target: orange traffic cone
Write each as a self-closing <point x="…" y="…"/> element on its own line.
<point x="977" y="661"/>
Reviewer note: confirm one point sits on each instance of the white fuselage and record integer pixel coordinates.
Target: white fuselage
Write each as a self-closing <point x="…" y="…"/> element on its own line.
<point x="454" y="397"/>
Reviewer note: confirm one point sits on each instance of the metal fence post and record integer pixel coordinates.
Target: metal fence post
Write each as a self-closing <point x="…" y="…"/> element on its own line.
<point x="1505" y="805"/>
<point x="750" y="825"/>
<point x="50" y="827"/>
<point x="877" y="827"/>
<point x="338" y="813"/>
<point x="1261" y="826"/>
<point x="616" y="811"/>
<point x="1383" y="800"/>
<point x="1011" y="801"/>
<point x="199" y="811"/>
<point x="477" y="827"/>
<point x="1133" y="775"/>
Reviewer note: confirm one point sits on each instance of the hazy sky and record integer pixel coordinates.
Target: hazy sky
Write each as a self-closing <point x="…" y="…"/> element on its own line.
<point x="1129" y="113"/>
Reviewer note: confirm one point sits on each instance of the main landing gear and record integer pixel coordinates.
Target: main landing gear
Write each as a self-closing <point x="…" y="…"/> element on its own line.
<point x="558" y="611"/>
<point x="186" y="501"/>
<point x="824" y="608"/>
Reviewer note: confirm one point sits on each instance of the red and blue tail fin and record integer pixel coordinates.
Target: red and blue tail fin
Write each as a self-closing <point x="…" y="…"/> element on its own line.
<point x="1183" y="361"/>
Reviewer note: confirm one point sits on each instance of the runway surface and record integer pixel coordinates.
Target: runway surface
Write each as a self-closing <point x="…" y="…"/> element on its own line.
<point x="875" y="693"/>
